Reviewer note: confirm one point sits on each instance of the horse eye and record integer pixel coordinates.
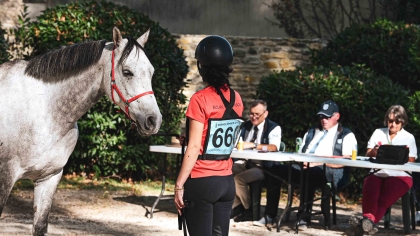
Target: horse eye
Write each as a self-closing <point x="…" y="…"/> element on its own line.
<point x="127" y="73"/>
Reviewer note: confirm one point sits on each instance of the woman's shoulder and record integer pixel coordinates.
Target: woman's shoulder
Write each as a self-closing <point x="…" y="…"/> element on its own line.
<point x="203" y="92"/>
<point x="405" y="132"/>
<point x="381" y="130"/>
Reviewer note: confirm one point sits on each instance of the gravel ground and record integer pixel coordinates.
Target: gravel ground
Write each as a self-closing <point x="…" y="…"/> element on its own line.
<point x="93" y="212"/>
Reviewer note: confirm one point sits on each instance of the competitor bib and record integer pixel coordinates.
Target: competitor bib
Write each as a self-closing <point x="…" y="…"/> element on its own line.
<point x="222" y="136"/>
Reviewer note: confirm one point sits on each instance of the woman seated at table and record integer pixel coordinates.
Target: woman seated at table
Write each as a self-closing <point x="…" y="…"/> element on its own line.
<point x="385" y="187"/>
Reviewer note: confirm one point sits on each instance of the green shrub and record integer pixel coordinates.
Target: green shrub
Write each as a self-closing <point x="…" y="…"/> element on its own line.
<point x="107" y="145"/>
<point x="388" y="48"/>
<point x="414" y="118"/>
<point x="4" y="55"/>
<point x="19" y="38"/>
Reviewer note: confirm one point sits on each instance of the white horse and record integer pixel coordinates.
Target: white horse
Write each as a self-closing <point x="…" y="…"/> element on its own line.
<point x="41" y="100"/>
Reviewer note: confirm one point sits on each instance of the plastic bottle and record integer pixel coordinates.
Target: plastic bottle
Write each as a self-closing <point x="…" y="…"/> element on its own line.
<point x="298" y="144"/>
<point x="354" y="153"/>
<point x="240" y="144"/>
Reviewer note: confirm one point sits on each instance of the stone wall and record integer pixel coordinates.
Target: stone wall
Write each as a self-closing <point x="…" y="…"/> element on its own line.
<point x="9" y="12"/>
<point x="253" y="59"/>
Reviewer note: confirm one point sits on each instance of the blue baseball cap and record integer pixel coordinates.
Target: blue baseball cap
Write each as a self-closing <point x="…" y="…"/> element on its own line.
<point x="328" y="108"/>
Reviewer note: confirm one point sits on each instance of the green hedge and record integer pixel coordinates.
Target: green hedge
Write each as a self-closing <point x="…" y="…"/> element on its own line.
<point x="4" y="55"/>
<point x="388" y="48"/>
<point x="107" y="145"/>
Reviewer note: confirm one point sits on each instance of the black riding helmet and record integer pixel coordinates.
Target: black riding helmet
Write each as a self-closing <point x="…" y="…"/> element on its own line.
<point x="214" y="50"/>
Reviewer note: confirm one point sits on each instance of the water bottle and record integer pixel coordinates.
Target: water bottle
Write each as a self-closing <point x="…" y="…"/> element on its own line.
<point x="298" y="143"/>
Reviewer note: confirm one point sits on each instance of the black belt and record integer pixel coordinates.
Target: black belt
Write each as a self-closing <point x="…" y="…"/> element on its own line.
<point x="214" y="157"/>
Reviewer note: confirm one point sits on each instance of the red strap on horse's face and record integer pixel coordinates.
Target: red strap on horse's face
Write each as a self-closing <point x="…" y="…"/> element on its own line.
<point x="114" y="87"/>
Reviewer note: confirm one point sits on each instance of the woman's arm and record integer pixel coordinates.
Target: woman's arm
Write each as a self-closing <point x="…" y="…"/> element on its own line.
<point x="190" y="157"/>
<point x="371" y="152"/>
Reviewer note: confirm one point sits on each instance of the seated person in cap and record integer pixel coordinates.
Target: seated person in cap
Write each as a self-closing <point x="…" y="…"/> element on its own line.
<point x="327" y="139"/>
<point x="257" y="132"/>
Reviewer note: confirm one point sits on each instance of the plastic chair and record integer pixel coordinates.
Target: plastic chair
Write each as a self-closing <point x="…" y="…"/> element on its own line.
<point x="282" y="147"/>
<point x="407" y="206"/>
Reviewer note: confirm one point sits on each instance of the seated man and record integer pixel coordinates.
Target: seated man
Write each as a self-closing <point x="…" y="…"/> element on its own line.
<point x="256" y="133"/>
<point x="327" y="139"/>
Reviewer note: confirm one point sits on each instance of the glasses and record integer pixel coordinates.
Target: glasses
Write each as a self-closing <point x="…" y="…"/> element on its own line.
<point x="396" y="121"/>
<point x="256" y="115"/>
<point x="321" y="117"/>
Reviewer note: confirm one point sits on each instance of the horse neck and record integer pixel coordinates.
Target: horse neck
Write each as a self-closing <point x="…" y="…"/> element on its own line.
<point x="79" y="93"/>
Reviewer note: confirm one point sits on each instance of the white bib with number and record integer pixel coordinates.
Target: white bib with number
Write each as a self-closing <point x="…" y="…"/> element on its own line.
<point x="223" y="135"/>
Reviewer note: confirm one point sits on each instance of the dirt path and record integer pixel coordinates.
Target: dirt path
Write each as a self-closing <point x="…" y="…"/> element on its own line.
<point x="89" y="212"/>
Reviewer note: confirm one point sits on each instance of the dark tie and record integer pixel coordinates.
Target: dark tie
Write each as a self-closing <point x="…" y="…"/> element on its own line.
<point x="316" y="145"/>
<point x="254" y="136"/>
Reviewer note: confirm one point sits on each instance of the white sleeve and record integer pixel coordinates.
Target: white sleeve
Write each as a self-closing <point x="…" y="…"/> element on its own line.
<point x="274" y="137"/>
<point x="349" y="141"/>
<point x="412" y="146"/>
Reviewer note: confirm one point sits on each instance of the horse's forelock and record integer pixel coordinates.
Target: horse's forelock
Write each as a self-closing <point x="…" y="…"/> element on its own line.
<point x="128" y="48"/>
<point x="61" y="64"/>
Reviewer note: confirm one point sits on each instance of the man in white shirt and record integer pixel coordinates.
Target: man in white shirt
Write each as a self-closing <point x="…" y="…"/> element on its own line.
<point x="257" y="132"/>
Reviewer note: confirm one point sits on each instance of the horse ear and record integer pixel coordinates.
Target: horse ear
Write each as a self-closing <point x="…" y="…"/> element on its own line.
<point x="143" y="39"/>
<point x="116" y="36"/>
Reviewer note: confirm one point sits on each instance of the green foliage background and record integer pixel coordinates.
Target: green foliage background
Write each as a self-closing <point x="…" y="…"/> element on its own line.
<point x="4" y="55"/>
<point x="388" y="48"/>
<point x="107" y="145"/>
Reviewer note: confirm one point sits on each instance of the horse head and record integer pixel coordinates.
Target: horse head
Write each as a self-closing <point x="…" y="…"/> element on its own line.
<point x="131" y="83"/>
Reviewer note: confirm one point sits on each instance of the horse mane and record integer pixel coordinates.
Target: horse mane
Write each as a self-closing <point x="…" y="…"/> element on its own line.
<point x="61" y="64"/>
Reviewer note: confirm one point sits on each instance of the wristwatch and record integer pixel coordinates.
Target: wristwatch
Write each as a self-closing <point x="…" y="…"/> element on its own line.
<point x="255" y="145"/>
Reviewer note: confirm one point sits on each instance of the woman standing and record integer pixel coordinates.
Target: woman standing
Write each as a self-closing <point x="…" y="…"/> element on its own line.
<point x="385" y="187"/>
<point x="205" y="189"/>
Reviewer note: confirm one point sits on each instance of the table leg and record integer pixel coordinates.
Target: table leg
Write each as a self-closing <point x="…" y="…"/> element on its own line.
<point x="158" y="198"/>
<point x="303" y="188"/>
<point x="162" y="191"/>
<point x="287" y="209"/>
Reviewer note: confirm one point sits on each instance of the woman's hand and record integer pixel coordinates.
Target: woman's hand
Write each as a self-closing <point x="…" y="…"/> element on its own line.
<point x="178" y="199"/>
<point x="372" y="152"/>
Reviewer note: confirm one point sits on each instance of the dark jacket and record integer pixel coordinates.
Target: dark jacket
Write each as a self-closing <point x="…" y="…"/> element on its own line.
<point x="269" y="125"/>
<point x="338" y="147"/>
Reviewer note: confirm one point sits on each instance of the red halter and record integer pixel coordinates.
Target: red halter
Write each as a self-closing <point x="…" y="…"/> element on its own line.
<point x="115" y="87"/>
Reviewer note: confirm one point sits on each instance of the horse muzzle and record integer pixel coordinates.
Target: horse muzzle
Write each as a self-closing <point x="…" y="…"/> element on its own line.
<point x="149" y="125"/>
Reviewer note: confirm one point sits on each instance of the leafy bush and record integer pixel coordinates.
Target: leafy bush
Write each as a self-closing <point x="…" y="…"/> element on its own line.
<point x="19" y="37"/>
<point x="414" y="118"/>
<point x="107" y="145"/>
<point x="388" y="48"/>
<point x="4" y="55"/>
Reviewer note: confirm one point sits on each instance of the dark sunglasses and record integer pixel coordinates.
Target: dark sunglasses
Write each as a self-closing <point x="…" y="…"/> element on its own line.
<point x="396" y="121"/>
<point x="321" y="117"/>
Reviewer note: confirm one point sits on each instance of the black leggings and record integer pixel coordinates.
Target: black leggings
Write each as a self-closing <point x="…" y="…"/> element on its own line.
<point x="209" y="201"/>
